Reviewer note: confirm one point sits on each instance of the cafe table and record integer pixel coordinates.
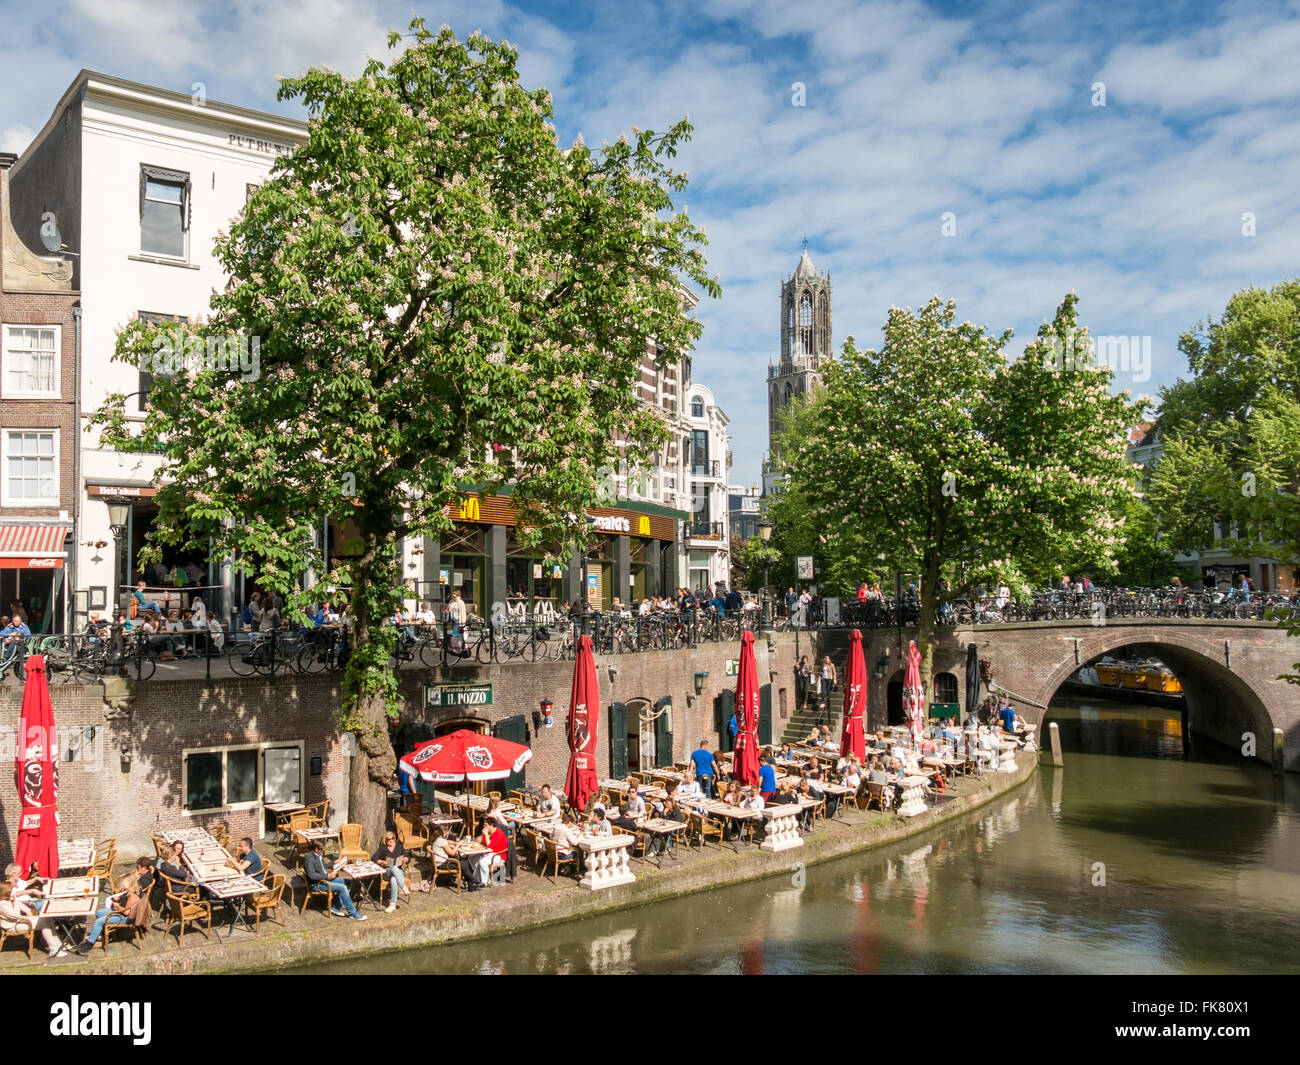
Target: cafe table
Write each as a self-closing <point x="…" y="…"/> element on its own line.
<point x="669" y="830"/>
<point x="230" y="890"/>
<point x="839" y="791"/>
<point x="69" y="900"/>
<point x="446" y="822"/>
<point x="77" y="854"/>
<point x="365" y="873"/>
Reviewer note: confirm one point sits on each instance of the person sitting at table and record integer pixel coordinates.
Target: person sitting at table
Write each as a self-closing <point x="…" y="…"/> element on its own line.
<point x="806" y="792"/>
<point x="689" y="788"/>
<point x="659" y="840"/>
<point x="14" y="919"/>
<point x="786" y="752"/>
<point x="495" y="815"/>
<point x="814" y="737"/>
<point x="446" y="852"/>
<point x="174" y="867"/>
<point x="766" y="777"/>
<point x="495" y="840"/>
<point x="634" y="804"/>
<point x="852" y="777"/>
<point x="25" y="892"/>
<point x="597" y="825"/>
<point x="880" y="743"/>
<point x="127" y="906"/>
<point x="313" y="869"/>
<point x="627" y="822"/>
<point x="549" y="803"/>
<point x="784" y="794"/>
<point x="248" y="861"/>
<point x="814" y="770"/>
<point x="392" y="858"/>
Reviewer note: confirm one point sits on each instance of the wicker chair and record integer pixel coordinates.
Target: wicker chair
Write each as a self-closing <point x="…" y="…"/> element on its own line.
<point x="130" y="927"/>
<point x="269" y="900"/>
<point x="352" y="843"/>
<point x="556" y="861"/>
<point x="103" y="866"/>
<point x="300" y="820"/>
<point x="413" y="836"/>
<point x="220" y="833"/>
<point x="24" y="931"/>
<point x="318" y="813"/>
<point x="162" y="849"/>
<point x="876" y="796"/>
<point x="449" y="869"/>
<point x="637" y="849"/>
<point x="703" y="829"/>
<point x="187" y="909"/>
<point x="320" y="890"/>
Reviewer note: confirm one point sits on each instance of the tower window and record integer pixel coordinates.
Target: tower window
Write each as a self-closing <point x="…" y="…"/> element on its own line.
<point x="805" y="324"/>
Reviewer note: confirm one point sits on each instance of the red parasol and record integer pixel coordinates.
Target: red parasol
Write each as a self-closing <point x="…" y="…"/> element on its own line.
<point x="465" y="755"/>
<point x="855" y="701"/>
<point x="913" y="694"/>
<point x="36" y="773"/>
<point x="584" y="715"/>
<point x="745" y="757"/>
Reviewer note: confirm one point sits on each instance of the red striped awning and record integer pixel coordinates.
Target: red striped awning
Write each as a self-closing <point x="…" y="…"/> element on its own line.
<point x="34" y="547"/>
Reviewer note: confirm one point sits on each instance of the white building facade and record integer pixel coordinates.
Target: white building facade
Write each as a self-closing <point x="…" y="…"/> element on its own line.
<point x="705" y="468"/>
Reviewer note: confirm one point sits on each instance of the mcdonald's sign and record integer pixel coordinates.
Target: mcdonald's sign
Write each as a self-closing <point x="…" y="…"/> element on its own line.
<point x="469" y="510"/>
<point x="643" y="525"/>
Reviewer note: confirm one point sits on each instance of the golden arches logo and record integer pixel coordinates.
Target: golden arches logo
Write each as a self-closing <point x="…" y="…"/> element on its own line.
<point x="469" y="509"/>
<point x="643" y="525"/>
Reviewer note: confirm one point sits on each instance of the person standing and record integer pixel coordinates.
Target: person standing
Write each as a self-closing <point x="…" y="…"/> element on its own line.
<point x="706" y="769"/>
<point x="458" y="612"/>
<point x="829" y="680"/>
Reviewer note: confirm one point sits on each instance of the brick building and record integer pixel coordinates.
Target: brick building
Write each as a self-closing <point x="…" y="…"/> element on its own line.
<point x="39" y="324"/>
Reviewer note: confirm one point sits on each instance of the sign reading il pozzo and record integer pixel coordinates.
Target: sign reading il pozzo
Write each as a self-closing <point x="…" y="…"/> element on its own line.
<point x="437" y="696"/>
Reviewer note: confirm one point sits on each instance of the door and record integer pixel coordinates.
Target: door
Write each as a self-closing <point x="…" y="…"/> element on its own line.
<point x="765" y="715"/>
<point x="617" y="741"/>
<point x="726" y="707"/>
<point x="515" y="730"/>
<point x="664" y="732"/>
<point x="894" y="702"/>
<point x="282" y="775"/>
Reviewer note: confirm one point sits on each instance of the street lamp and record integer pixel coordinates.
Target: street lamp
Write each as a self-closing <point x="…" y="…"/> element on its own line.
<point x="119" y="512"/>
<point x="765" y="535"/>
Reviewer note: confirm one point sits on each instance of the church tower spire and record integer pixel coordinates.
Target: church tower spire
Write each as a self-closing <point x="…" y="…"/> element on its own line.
<point x="805" y="343"/>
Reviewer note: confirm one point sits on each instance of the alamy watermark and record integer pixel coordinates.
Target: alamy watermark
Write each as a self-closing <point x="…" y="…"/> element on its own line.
<point x="176" y="350"/>
<point x="1122" y="354"/>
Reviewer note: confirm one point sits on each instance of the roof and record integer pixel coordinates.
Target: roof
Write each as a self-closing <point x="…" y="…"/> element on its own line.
<point x="805" y="267"/>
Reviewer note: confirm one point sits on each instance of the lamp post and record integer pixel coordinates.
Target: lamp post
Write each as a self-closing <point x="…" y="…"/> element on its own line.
<point x="765" y="535"/>
<point x="119" y="511"/>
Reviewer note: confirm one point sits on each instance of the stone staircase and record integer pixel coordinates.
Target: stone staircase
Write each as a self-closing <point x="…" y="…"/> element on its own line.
<point x="801" y="722"/>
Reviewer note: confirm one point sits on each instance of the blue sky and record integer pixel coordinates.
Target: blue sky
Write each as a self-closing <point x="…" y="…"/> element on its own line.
<point x="911" y="110"/>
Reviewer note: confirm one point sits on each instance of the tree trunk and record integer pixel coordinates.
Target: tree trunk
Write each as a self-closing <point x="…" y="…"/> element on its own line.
<point x="365" y="710"/>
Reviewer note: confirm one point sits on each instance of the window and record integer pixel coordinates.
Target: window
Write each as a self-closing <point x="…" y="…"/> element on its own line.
<point x="31" y="467"/>
<point x="31" y="360"/>
<point x="164" y="211"/>
<point x="232" y="777"/>
<point x="699" y="451"/>
<point x="805" y="325"/>
<point x="945" y="688"/>
<point x="697" y="407"/>
<point x="146" y="378"/>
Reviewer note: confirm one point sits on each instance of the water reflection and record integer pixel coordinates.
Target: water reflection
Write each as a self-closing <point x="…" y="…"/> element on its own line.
<point x="1200" y="853"/>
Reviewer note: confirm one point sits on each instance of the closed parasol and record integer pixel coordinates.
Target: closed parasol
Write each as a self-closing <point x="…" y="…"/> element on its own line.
<point x="855" y="700"/>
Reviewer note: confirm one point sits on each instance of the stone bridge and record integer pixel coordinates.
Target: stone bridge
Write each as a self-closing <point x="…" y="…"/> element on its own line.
<point x="1228" y="669"/>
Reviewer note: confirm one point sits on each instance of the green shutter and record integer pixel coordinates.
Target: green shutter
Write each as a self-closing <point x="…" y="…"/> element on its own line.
<point x="727" y="707"/>
<point x="617" y="741"/>
<point x="663" y="734"/>
<point x="765" y="715"/>
<point x="515" y="730"/>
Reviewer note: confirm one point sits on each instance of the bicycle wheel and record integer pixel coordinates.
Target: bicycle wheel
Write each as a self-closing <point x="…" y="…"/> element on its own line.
<point x="308" y="659"/>
<point x="431" y="655"/>
<point x="240" y="658"/>
<point x="485" y="650"/>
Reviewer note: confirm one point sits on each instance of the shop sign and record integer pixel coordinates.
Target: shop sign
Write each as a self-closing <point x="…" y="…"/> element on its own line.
<point x="440" y="696"/>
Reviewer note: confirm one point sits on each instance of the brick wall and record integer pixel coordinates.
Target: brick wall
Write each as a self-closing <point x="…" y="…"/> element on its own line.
<point x="102" y="793"/>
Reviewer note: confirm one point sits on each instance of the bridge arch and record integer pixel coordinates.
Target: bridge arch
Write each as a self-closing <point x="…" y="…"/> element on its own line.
<point x="1223" y="700"/>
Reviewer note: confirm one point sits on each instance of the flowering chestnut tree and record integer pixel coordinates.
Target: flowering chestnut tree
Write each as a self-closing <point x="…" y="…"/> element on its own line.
<point x="444" y="300"/>
<point x="935" y="456"/>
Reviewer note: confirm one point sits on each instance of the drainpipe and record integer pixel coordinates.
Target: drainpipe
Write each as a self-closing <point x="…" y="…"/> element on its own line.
<point x="70" y="601"/>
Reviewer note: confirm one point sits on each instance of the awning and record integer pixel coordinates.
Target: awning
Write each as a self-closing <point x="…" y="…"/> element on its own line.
<point x="33" y="545"/>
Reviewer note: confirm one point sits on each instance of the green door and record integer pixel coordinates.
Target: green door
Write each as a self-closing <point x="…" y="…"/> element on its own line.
<point x="409" y="735"/>
<point x="726" y="707"/>
<point x="617" y="741"/>
<point x="515" y="730"/>
<point x="765" y="715"/>
<point x="664" y="733"/>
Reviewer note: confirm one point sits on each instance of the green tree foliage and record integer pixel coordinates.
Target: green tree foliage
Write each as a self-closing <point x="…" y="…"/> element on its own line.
<point x="933" y="455"/>
<point x="444" y="296"/>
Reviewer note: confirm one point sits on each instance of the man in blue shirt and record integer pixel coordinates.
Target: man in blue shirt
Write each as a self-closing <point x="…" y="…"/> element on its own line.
<point x="705" y="768"/>
<point x="766" y="778"/>
<point x="732" y="728"/>
<point x="12" y="637"/>
<point x="1008" y="719"/>
<point x="249" y="860"/>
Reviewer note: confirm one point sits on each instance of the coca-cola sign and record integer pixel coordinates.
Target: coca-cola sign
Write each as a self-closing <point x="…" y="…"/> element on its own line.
<point x="44" y="563"/>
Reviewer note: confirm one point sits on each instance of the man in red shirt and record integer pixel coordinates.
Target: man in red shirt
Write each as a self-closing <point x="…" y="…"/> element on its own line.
<point x="493" y="837"/>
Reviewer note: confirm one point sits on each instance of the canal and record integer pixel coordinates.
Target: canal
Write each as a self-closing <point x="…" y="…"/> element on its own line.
<point x="1147" y="854"/>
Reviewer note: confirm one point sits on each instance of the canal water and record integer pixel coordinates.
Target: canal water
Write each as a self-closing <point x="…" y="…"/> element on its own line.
<point x="1148" y="853"/>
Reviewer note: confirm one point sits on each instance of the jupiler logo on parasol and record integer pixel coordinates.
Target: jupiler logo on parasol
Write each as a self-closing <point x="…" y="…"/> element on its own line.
<point x="480" y="757"/>
<point x="427" y="753"/>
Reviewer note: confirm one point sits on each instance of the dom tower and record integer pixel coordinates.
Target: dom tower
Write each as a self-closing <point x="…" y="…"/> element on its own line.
<point x="805" y="342"/>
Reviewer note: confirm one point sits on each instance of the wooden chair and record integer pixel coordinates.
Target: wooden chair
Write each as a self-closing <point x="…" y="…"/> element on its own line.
<point x="637" y="850"/>
<point x="703" y="828"/>
<point x="187" y="909"/>
<point x="300" y="820"/>
<point x="876" y="796"/>
<point x="494" y="795"/>
<point x="536" y="852"/>
<point x="413" y="836"/>
<point x="24" y="930"/>
<point x="819" y="811"/>
<point x="556" y="861"/>
<point x="352" y="843"/>
<point x="220" y="833"/>
<point x="450" y="868"/>
<point x="268" y="900"/>
<point x="106" y="845"/>
<point x="162" y="849"/>
<point x="136" y="932"/>
<point x="103" y="866"/>
<point x="320" y="890"/>
<point x="282" y="827"/>
<point x="415" y="805"/>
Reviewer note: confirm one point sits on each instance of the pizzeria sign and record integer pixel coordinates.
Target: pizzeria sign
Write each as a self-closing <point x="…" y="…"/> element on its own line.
<point x="437" y="696"/>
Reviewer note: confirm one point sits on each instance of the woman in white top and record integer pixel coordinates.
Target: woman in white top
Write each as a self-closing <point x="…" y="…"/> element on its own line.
<point x="14" y="919"/>
<point x="753" y="801"/>
<point x="634" y="803"/>
<point x="689" y="788"/>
